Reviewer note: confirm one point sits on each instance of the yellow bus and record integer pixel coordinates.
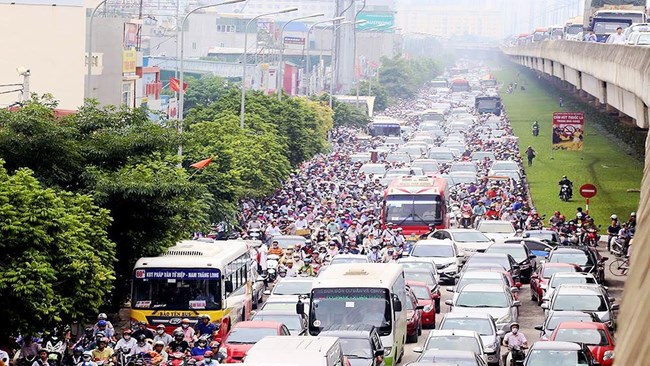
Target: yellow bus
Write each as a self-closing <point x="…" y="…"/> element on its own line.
<point x="194" y="278"/>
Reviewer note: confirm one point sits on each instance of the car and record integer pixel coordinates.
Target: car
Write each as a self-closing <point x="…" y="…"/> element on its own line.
<point x="404" y="171"/>
<point x="510" y="174"/>
<point x="423" y="275"/>
<point x="567" y="278"/>
<point x="503" y="165"/>
<point x="454" y="340"/>
<point x="548" y="236"/>
<point x="291" y="287"/>
<point x="398" y="157"/>
<point x="442" y="155"/>
<point x="376" y="169"/>
<point x="467" y="240"/>
<point x="415" y="149"/>
<point x="540" y="248"/>
<point x="245" y="334"/>
<point x="486" y="277"/>
<point x="444" y="253"/>
<point x="587" y="258"/>
<point x="589" y="298"/>
<point x="360" y="342"/>
<point x="496" y="300"/>
<point x="484" y="325"/>
<point x="296" y="323"/>
<point x="463" y="177"/>
<point x="559" y="353"/>
<point x="539" y="279"/>
<point x="481" y="155"/>
<point x="448" y="358"/>
<point x="429" y="301"/>
<point x="595" y="335"/>
<point x="503" y="259"/>
<point x="413" y="317"/>
<point x="282" y="303"/>
<point x="284" y="241"/>
<point x="360" y="157"/>
<point x="524" y="258"/>
<point x="555" y="318"/>
<point x="641" y="39"/>
<point x="497" y="229"/>
<point x="429" y="166"/>
<point x="418" y="262"/>
<point x="349" y="258"/>
<point x="469" y="167"/>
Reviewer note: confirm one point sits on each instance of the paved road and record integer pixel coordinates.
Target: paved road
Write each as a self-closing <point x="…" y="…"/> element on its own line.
<point x="530" y="314"/>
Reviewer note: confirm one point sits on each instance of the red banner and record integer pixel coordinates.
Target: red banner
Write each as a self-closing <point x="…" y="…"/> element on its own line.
<point x="568" y="130"/>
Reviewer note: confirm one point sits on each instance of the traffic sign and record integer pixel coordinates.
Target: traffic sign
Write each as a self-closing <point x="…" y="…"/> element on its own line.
<point x="588" y="190"/>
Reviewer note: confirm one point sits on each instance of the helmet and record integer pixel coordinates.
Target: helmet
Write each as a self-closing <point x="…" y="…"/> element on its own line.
<point x="186" y="321"/>
<point x="556" y="213"/>
<point x="100" y="335"/>
<point x="515" y="324"/>
<point x="87" y="354"/>
<point x="102" y="316"/>
<point x="160" y="326"/>
<point x="78" y="349"/>
<point x="633" y="213"/>
<point x="103" y="340"/>
<point x="205" y="316"/>
<point x="563" y="177"/>
<point x="613" y="217"/>
<point x="214" y="344"/>
<point x="126" y="331"/>
<point x="178" y="333"/>
<point x="141" y="337"/>
<point x="202" y="340"/>
<point x="159" y="343"/>
<point x="101" y="323"/>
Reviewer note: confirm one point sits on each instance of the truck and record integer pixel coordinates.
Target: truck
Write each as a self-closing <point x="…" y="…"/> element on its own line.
<point x="573" y="29"/>
<point x="488" y="104"/>
<point x="603" y="17"/>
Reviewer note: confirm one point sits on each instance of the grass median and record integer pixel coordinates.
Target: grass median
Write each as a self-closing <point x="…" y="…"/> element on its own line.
<point x="616" y="174"/>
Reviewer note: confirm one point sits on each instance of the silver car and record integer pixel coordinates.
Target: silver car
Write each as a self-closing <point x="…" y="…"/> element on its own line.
<point x="588" y="298"/>
<point x="484" y="325"/>
<point x="495" y="300"/>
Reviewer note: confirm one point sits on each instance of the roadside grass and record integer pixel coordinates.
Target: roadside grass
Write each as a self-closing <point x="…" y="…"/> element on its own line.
<point x="602" y="162"/>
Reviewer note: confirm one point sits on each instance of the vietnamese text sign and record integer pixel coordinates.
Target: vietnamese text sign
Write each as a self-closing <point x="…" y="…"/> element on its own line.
<point x="176" y="273"/>
<point x="129" y="59"/>
<point x="379" y="21"/>
<point x="294" y="40"/>
<point x="568" y="130"/>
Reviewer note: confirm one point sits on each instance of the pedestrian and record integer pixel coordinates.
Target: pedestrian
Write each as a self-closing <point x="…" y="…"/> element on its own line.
<point x="618" y="37"/>
<point x="591" y="37"/>
<point x="530" y="154"/>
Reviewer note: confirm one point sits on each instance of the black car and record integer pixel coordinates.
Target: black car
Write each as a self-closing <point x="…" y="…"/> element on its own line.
<point x="588" y="258"/>
<point x="502" y="259"/>
<point x="520" y="252"/>
<point x="360" y="342"/>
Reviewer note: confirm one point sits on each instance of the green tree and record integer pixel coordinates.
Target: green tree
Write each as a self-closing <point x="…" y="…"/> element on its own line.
<point x="376" y="90"/>
<point x="204" y="91"/>
<point x="56" y="259"/>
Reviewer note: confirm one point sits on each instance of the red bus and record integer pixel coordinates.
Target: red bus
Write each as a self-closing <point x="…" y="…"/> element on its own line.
<point x="415" y="202"/>
<point x="460" y="85"/>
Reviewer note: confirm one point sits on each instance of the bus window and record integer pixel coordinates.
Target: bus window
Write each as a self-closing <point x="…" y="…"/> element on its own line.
<point x="177" y="294"/>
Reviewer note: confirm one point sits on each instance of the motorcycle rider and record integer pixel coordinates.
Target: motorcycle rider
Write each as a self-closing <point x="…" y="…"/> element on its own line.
<point x="478" y="211"/>
<point x="466" y="214"/>
<point x="216" y="355"/>
<point x="75" y="358"/>
<point x="204" y="327"/>
<point x="201" y="347"/>
<point x="568" y="183"/>
<point x="162" y="336"/>
<point x="109" y="325"/>
<point x="428" y="234"/>
<point x="290" y="270"/>
<point x="159" y="348"/>
<point x="179" y="344"/>
<point x="307" y="269"/>
<point x="375" y="256"/>
<point x="624" y="237"/>
<point x="275" y="249"/>
<point x="188" y="332"/>
<point x="142" y="346"/>
<point x="513" y="339"/>
<point x="87" y="359"/>
<point x="142" y="329"/>
<point x="555" y="219"/>
<point x="631" y="223"/>
<point x="102" y="326"/>
<point x="126" y="342"/>
<point x="535" y="128"/>
<point x="102" y="352"/>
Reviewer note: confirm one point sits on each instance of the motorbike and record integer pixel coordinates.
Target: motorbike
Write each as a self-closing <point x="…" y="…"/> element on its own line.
<point x="565" y="192"/>
<point x="592" y="237"/>
<point x="56" y="348"/>
<point x="272" y="262"/>
<point x="516" y="356"/>
<point x="123" y="357"/>
<point x="255" y="234"/>
<point x="535" y="130"/>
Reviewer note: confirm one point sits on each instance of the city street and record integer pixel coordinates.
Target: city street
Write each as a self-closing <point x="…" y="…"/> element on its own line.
<point x="530" y="314"/>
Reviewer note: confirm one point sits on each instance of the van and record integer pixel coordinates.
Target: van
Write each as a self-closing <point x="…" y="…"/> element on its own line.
<point x="296" y="351"/>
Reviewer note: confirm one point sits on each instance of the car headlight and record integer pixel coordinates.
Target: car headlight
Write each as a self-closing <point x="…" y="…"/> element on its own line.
<point x="443" y="266"/>
<point x="491" y="348"/>
<point x="608" y="355"/>
<point x="505" y="319"/>
<point x="427" y="308"/>
<point x="387" y="351"/>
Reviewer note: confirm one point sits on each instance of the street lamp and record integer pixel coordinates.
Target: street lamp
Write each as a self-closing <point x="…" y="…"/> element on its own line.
<point x="308" y="45"/>
<point x="89" y="36"/>
<point x="181" y="99"/>
<point x="332" y="62"/>
<point x="281" y="71"/>
<point x="244" y="62"/>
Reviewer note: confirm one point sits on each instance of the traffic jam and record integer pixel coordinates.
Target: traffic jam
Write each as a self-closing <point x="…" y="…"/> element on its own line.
<point x="414" y="241"/>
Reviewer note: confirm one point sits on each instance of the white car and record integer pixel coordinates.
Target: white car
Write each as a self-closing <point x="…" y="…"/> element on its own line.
<point x="443" y="253"/>
<point x="497" y="229"/>
<point x="467" y="240"/>
<point x="484" y="325"/>
<point x="495" y="300"/>
<point x="563" y="278"/>
<point x="348" y="258"/>
<point x="454" y="340"/>
<point x="501" y="165"/>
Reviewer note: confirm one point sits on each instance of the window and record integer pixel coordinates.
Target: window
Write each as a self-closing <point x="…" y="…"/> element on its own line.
<point x="236" y="272"/>
<point x="193" y="45"/>
<point x="226" y="28"/>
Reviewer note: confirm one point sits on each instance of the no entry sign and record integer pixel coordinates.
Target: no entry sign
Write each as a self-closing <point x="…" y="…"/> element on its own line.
<point x="588" y="190"/>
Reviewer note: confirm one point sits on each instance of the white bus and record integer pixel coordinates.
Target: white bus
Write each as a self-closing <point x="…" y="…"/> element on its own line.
<point x="363" y="293"/>
<point x="191" y="278"/>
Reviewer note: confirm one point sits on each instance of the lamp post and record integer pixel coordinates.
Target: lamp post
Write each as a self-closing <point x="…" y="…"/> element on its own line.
<point x="244" y="61"/>
<point x="281" y="68"/>
<point x="88" y="91"/>
<point x="308" y="53"/>
<point x="181" y="98"/>
<point x="333" y="64"/>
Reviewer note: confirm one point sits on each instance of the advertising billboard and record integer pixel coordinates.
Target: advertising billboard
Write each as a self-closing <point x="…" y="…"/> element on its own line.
<point x="568" y="130"/>
<point x="378" y="21"/>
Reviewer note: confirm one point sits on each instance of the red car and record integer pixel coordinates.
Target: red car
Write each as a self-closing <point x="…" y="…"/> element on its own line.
<point x="245" y="334"/>
<point x="539" y="279"/>
<point x="596" y="336"/>
<point x="512" y="283"/>
<point x="413" y="317"/>
<point x="427" y="300"/>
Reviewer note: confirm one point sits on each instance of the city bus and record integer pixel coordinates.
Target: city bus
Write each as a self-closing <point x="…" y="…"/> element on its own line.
<point x="433" y="115"/>
<point x="489" y="81"/>
<point x="191" y="278"/>
<point x="414" y="202"/>
<point x="460" y="85"/>
<point x="384" y="126"/>
<point x="362" y="293"/>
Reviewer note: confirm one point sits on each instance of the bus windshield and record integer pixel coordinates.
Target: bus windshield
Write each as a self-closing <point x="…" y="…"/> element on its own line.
<point x="356" y="305"/>
<point x="384" y="129"/>
<point x="413" y="210"/>
<point x="177" y="289"/>
<point x="487" y="103"/>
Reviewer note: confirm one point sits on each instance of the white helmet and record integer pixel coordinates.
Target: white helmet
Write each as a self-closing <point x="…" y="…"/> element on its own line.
<point x="614" y="217"/>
